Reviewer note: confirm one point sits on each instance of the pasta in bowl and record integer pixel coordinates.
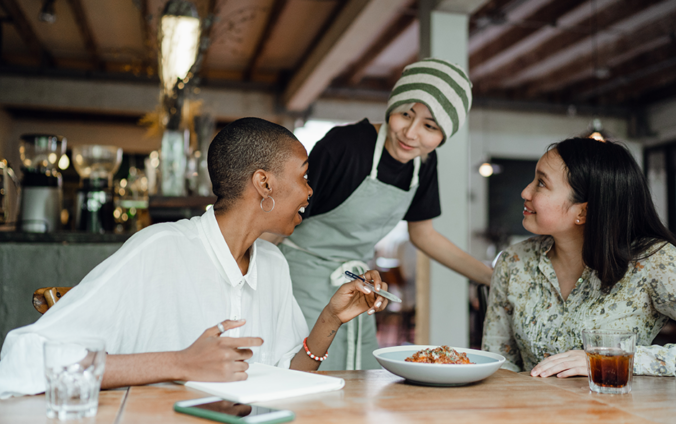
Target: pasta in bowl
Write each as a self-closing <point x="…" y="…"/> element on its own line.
<point x="444" y="372"/>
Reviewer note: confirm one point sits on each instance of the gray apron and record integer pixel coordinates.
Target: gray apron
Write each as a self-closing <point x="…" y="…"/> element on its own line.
<point x="323" y="247"/>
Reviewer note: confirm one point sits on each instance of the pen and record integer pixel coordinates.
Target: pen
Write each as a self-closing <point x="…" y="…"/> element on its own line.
<point x="383" y="293"/>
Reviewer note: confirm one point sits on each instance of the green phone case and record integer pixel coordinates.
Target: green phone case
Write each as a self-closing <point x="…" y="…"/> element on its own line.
<point x="225" y="418"/>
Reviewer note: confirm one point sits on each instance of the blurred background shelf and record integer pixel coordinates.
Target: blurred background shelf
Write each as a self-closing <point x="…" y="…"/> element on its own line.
<point x="64" y="237"/>
<point x="166" y="208"/>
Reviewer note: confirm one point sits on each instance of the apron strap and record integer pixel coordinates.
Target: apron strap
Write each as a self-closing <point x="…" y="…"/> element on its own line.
<point x="354" y="342"/>
<point x="416" y="170"/>
<point x="338" y="277"/>
<point x="378" y="152"/>
<point x="380" y="144"/>
<point x="355" y="326"/>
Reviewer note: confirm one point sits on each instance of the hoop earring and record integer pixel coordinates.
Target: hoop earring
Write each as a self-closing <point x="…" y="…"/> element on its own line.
<point x="273" y="204"/>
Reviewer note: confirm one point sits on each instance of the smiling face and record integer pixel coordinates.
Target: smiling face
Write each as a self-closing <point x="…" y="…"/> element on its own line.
<point x="412" y="133"/>
<point x="548" y="209"/>
<point x="291" y="192"/>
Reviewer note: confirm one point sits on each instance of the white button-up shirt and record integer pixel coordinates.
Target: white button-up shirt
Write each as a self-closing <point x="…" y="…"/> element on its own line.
<point x="159" y="292"/>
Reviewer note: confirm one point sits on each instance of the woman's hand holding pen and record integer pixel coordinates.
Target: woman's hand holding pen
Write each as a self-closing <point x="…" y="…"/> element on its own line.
<point x="350" y="300"/>
<point x="354" y="298"/>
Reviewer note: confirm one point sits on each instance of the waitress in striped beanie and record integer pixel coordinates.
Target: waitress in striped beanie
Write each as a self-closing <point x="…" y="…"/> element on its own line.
<point x="368" y="177"/>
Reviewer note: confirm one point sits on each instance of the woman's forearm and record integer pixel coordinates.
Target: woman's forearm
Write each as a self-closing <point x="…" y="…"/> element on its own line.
<point x="140" y="368"/>
<point x="318" y="342"/>
<point x="451" y="256"/>
<point x="427" y="239"/>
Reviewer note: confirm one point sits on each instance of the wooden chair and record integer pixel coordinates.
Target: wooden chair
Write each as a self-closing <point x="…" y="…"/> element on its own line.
<point x="46" y="297"/>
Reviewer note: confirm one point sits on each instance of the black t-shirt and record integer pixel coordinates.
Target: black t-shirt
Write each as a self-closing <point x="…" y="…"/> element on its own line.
<point x="341" y="160"/>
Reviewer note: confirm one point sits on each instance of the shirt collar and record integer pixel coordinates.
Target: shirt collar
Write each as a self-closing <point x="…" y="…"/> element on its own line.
<point x="546" y="245"/>
<point x="224" y="255"/>
<point x="545" y="264"/>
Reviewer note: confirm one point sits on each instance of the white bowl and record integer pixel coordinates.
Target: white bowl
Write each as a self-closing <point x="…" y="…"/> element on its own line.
<point x="484" y="365"/>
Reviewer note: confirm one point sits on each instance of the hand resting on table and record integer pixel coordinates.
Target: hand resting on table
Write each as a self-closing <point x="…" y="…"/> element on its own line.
<point x="566" y="364"/>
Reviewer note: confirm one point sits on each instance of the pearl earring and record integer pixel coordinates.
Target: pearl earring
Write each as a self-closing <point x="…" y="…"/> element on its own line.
<point x="578" y="221"/>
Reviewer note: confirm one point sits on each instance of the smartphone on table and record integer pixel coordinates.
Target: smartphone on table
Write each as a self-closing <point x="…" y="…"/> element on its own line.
<point x="225" y="411"/>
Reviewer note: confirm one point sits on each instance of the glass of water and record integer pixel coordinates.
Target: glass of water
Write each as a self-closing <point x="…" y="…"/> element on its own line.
<point x="73" y="372"/>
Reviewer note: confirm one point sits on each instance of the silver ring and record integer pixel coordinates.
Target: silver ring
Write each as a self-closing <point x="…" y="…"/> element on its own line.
<point x="220" y="327"/>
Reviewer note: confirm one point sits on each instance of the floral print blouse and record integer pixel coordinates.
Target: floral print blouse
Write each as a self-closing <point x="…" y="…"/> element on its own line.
<point x="528" y="320"/>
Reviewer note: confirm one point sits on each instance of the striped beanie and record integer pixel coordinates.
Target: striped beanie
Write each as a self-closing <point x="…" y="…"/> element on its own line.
<point x="441" y="86"/>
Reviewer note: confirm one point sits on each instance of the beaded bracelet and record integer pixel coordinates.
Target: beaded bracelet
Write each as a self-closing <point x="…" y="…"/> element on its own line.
<point x="311" y="355"/>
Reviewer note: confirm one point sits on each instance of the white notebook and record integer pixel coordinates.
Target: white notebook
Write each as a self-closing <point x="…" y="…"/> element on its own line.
<point x="266" y="383"/>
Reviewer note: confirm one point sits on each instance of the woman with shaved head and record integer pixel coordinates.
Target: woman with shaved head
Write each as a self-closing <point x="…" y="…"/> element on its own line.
<point x="196" y="299"/>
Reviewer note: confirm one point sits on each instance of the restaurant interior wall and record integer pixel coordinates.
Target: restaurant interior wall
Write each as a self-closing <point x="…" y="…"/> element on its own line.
<point x="660" y="145"/>
<point x="346" y="110"/>
<point x="661" y="119"/>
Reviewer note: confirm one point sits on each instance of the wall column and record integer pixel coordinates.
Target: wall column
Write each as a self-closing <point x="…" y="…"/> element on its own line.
<point x="443" y="35"/>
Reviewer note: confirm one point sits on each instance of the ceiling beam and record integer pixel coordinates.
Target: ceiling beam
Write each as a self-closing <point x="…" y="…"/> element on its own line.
<point x="132" y="98"/>
<point x="126" y="98"/>
<point x="650" y="36"/>
<point x="338" y="7"/>
<point x="357" y="70"/>
<point x="545" y="16"/>
<point x="513" y="12"/>
<point x="595" y="42"/>
<point x="396" y="73"/>
<point x="654" y="79"/>
<point x="599" y="22"/>
<point x="358" y="20"/>
<point x="86" y="33"/>
<point x="489" y="13"/>
<point x="26" y="32"/>
<point x="466" y="7"/>
<point x="624" y="74"/>
<point x="648" y="97"/>
<point x="276" y="10"/>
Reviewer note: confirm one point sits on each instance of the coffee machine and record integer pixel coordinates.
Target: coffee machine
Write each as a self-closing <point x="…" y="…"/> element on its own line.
<point x="96" y="166"/>
<point x="41" y="182"/>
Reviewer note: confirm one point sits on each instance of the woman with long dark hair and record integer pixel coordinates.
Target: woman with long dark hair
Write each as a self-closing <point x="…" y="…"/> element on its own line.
<point x="602" y="260"/>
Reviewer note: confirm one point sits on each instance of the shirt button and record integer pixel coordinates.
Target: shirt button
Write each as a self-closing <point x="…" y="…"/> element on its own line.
<point x="234" y="318"/>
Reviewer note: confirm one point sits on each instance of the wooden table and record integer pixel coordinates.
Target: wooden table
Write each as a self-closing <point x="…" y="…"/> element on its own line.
<point x="32" y="409"/>
<point x="378" y="396"/>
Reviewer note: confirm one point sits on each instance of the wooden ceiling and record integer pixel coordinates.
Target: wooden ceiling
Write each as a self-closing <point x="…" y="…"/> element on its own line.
<point x="602" y="51"/>
<point x="567" y="52"/>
